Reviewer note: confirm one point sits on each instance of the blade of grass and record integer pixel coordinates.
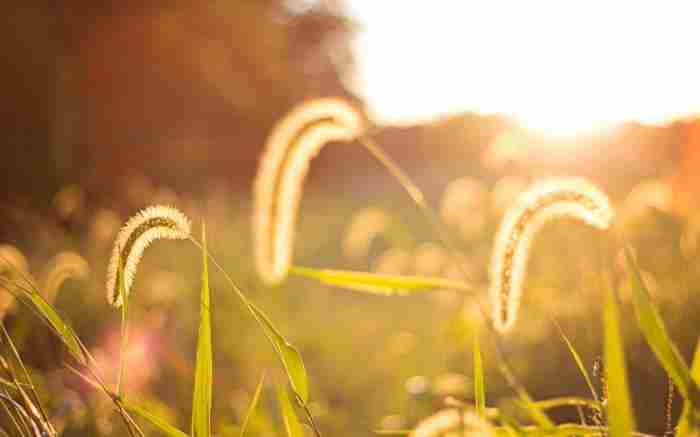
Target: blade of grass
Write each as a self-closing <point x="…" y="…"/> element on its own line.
<point x="387" y="285"/>
<point x="533" y="410"/>
<point x="479" y="387"/>
<point x="689" y="422"/>
<point x="292" y="425"/>
<point x="201" y="398"/>
<point x="124" y="343"/>
<point x="253" y="404"/>
<point x="577" y="359"/>
<point x="31" y="298"/>
<point x="153" y="419"/>
<point x="288" y="354"/>
<point x="656" y="335"/>
<point x="619" y="408"/>
<point x="31" y="400"/>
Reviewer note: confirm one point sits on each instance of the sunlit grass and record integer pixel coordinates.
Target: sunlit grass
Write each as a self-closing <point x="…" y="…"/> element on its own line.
<point x="440" y="272"/>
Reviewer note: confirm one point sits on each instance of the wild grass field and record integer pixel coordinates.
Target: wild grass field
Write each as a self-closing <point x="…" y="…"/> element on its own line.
<point x="515" y="306"/>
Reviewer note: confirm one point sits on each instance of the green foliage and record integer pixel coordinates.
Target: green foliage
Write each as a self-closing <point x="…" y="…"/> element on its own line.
<point x="292" y="425"/>
<point x="656" y="335"/>
<point x="124" y="327"/>
<point x="26" y="293"/>
<point x="619" y="406"/>
<point x="479" y="386"/>
<point x="387" y="285"/>
<point x="201" y="398"/>
<point x="253" y="404"/>
<point x="288" y="354"/>
<point x="689" y="422"/>
<point x="577" y="359"/>
<point x="153" y="419"/>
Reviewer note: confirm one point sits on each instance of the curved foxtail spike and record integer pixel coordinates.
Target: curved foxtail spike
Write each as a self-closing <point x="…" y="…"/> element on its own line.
<point x="62" y="267"/>
<point x="148" y="225"/>
<point x="13" y="264"/>
<point x="568" y="197"/>
<point x="9" y="254"/>
<point x="294" y="141"/>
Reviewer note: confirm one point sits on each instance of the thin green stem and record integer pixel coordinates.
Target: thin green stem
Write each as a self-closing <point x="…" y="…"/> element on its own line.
<point x="123" y="348"/>
<point x="249" y="305"/>
<point x="419" y="199"/>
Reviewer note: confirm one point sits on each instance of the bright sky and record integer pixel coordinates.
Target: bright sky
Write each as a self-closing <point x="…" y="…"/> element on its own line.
<point x="557" y="66"/>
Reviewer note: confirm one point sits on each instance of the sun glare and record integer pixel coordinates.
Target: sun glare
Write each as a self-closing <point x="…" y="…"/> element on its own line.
<point x="558" y="67"/>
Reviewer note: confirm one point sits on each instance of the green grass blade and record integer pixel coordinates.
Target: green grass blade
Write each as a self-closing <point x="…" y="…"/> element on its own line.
<point x="123" y="348"/>
<point x="577" y="359"/>
<point x="201" y="398"/>
<point x="619" y="407"/>
<point x="291" y="422"/>
<point x="31" y="298"/>
<point x="479" y="386"/>
<point x="534" y="411"/>
<point x="567" y="401"/>
<point x="153" y="419"/>
<point x="288" y="354"/>
<point x="689" y="422"/>
<point x="654" y="330"/>
<point x="253" y="404"/>
<point x="563" y="430"/>
<point x="386" y="285"/>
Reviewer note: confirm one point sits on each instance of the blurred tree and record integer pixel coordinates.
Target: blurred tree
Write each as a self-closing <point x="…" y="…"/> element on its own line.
<point x="686" y="183"/>
<point x="171" y="89"/>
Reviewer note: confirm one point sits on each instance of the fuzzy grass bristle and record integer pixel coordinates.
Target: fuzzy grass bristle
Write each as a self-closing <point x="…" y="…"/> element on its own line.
<point x="555" y="198"/>
<point x="62" y="267"/>
<point x="148" y="225"/>
<point x="294" y="141"/>
<point x="9" y="254"/>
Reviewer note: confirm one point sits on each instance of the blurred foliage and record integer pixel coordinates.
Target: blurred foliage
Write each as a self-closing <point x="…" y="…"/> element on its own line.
<point x="417" y="349"/>
<point x="116" y="106"/>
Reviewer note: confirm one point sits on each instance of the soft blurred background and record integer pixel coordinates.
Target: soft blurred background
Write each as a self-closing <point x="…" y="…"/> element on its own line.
<point x="113" y="106"/>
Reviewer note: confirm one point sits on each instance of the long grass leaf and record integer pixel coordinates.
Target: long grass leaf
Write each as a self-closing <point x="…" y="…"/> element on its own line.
<point x="577" y="359"/>
<point x="689" y="422"/>
<point x="288" y="354"/>
<point x="124" y="343"/>
<point x="153" y="419"/>
<point x="387" y="285"/>
<point x="201" y="398"/>
<point x="619" y="407"/>
<point x="253" y="404"/>
<point x="292" y="425"/>
<point x="656" y="335"/>
<point x="534" y="411"/>
<point x="479" y="386"/>
<point x="31" y="298"/>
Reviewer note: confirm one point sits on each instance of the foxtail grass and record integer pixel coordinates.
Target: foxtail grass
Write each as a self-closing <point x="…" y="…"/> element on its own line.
<point x="545" y="201"/>
<point x="151" y="224"/>
<point x="62" y="267"/>
<point x="294" y="141"/>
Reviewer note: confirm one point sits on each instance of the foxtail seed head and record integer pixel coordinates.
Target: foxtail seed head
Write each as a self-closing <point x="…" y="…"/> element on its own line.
<point x="148" y="225"/>
<point x="293" y="143"/>
<point x="62" y="267"/>
<point x="556" y="198"/>
<point x="13" y="264"/>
